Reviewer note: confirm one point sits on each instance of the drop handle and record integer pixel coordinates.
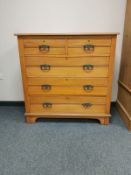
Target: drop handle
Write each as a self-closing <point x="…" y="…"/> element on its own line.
<point x="88" y="87"/>
<point x="44" y="47"/>
<point x="87" y="105"/>
<point x="88" y="67"/>
<point x="47" y="105"/>
<point x="46" y="87"/>
<point x="45" y="67"/>
<point x="88" y="47"/>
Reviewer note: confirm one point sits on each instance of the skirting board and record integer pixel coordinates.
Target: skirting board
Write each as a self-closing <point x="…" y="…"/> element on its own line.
<point x="21" y="103"/>
<point x="11" y="103"/>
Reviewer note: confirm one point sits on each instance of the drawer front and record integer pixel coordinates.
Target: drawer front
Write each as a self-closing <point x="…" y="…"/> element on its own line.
<point x="68" y="108"/>
<point x="96" y="51"/>
<point x="41" y="47"/>
<point x="67" y="99"/>
<point x="93" y="40"/>
<point x="32" y="43"/>
<point x="67" y="90"/>
<point x="95" y="71"/>
<point x="40" y="52"/>
<point x="68" y="81"/>
<point x="66" y="61"/>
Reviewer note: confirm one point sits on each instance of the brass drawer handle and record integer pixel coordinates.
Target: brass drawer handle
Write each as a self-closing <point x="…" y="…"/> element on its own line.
<point x="88" y="47"/>
<point x="46" y="87"/>
<point x="47" y="105"/>
<point x="87" y="105"/>
<point x="44" y="48"/>
<point x="88" y="67"/>
<point x="45" y="67"/>
<point x="88" y="87"/>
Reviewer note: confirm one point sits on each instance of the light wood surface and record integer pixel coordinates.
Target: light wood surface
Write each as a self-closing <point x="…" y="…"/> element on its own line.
<point x="52" y="51"/>
<point x="59" y="70"/>
<point x="57" y="81"/>
<point x="67" y="99"/>
<point x="66" y="34"/>
<point x="68" y="109"/>
<point x="66" y="61"/>
<point x="96" y="41"/>
<point x="28" y="43"/>
<point x="98" y="51"/>
<point x="98" y="71"/>
<point x="23" y="72"/>
<point x="67" y="90"/>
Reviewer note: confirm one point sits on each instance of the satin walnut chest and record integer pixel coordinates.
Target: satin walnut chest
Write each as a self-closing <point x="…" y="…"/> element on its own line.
<point x="67" y="75"/>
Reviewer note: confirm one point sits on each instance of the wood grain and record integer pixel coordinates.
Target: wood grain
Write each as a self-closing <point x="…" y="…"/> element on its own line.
<point x="97" y="71"/>
<point x="68" y="109"/>
<point x="98" y="51"/>
<point x="96" y="41"/>
<point x="67" y="99"/>
<point x="124" y="90"/>
<point x="57" y="81"/>
<point x="67" y="90"/>
<point x="68" y="34"/>
<point x="66" y="61"/>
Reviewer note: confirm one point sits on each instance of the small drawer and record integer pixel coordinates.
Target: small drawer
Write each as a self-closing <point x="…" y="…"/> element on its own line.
<point x="86" y="89"/>
<point x="84" y="108"/>
<point x="83" y="71"/>
<point x="67" y="99"/>
<point x="42" y="47"/>
<point x="89" y="46"/>
<point x="66" y="61"/>
<point x="68" y="81"/>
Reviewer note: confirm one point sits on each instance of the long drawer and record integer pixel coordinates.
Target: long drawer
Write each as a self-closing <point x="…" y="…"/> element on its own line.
<point x="68" y="90"/>
<point x="68" y="81"/>
<point x="39" y="99"/>
<point x="66" y="61"/>
<point x="92" y="71"/>
<point x="85" y="108"/>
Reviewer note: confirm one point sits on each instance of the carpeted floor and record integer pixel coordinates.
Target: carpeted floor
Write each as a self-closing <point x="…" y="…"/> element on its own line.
<point x="62" y="147"/>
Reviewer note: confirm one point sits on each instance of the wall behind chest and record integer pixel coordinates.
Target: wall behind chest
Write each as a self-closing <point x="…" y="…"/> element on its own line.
<point x="56" y="16"/>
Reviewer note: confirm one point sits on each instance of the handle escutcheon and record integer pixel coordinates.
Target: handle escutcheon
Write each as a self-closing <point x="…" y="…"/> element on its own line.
<point x="88" y="87"/>
<point x="87" y="105"/>
<point x="46" y="87"/>
<point x="44" y="48"/>
<point x="88" y="47"/>
<point x="47" y="105"/>
<point x="88" y="67"/>
<point x="45" y="67"/>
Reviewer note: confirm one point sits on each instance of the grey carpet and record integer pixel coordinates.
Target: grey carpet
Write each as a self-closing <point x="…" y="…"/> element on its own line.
<point x="62" y="147"/>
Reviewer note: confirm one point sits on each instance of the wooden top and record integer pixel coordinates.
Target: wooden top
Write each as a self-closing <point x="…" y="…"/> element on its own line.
<point x="60" y="34"/>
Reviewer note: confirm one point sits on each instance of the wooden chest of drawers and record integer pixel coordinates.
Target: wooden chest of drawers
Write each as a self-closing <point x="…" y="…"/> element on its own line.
<point x="67" y="75"/>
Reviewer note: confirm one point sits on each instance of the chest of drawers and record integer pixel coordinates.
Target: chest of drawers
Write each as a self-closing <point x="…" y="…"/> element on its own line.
<point x="67" y="75"/>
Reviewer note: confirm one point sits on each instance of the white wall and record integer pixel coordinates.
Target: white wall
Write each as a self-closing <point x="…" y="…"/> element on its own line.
<point x="52" y="16"/>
